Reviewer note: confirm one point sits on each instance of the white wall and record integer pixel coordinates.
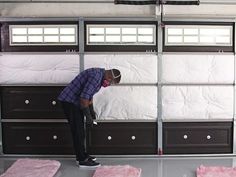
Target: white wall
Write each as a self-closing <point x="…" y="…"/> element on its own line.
<point x="110" y="10"/>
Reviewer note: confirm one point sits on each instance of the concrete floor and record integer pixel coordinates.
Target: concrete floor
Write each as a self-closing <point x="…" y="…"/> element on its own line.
<point x="151" y="167"/>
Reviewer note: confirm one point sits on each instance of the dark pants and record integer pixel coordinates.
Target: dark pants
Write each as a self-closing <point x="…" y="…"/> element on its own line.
<point x="76" y="121"/>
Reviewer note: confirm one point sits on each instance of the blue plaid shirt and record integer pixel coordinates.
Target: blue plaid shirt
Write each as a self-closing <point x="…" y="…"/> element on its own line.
<point x="85" y="85"/>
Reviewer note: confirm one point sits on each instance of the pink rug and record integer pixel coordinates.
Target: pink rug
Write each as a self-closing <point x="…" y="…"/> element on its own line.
<point x="32" y="168"/>
<point x="117" y="171"/>
<point x="203" y="171"/>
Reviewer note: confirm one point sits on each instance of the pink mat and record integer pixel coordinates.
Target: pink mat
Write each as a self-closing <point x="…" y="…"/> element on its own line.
<point x="117" y="171"/>
<point x="32" y="168"/>
<point x="203" y="171"/>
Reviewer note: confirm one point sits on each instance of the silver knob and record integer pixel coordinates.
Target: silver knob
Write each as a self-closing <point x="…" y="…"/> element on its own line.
<point x="26" y="101"/>
<point x="27" y="138"/>
<point x="185" y="137"/>
<point x="133" y="137"/>
<point x="208" y="137"/>
<point x="54" y="137"/>
<point x="109" y="138"/>
<point x="54" y="102"/>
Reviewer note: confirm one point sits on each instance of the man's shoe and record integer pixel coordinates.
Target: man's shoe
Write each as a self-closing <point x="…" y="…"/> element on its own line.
<point x="88" y="164"/>
<point x="91" y="157"/>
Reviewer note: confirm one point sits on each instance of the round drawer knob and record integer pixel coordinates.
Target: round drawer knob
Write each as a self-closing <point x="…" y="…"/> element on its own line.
<point x="133" y="137"/>
<point x="27" y="138"/>
<point x="55" y="137"/>
<point x="208" y="137"/>
<point x="26" y="101"/>
<point x="109" y="138"/>
<point x="185" y="137"/>
<point x="54" y="102"/>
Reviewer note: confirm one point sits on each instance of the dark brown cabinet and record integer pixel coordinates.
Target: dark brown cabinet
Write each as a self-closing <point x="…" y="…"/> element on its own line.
<point x="31" y="103"/>
<point x="36" y="138"/>
<point x="123" y="138"/>
<point x="196" y="138"/>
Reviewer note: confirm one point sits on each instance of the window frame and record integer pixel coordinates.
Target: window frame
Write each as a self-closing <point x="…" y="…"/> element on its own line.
<point x="198" y="48"/>
<point x="120" y="47"/>
<point x="6" y="47"/>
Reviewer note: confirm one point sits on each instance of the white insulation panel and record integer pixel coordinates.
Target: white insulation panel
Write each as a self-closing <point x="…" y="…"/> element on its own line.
<point x="38" y="69"/>
<point x="126" y="103"/>
<point x="134" y="68"/>
<point x="198" y="68"/>
<point x="197" y="102"/>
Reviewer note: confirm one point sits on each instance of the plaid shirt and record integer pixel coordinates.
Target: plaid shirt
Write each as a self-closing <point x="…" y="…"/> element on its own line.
<point x="85" y="85"/>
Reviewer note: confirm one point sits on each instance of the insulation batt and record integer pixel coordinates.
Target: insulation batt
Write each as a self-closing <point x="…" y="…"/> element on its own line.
<point x="197" y="102"/>
<point x="203" y="171"/>
<point x="198" y="68"/>
<point x="134" y="68"/>
<point x="38" y="69"/>
<point x="117" y="171"/>
<point x="32" y="168"/>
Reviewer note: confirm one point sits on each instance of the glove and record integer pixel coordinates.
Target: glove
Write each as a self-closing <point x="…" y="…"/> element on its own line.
<point x="88" y="116"/>
<point x="93" y="113"/>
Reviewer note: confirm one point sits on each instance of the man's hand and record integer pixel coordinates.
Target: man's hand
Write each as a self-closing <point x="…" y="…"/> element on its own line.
<point x="93" y="113"/>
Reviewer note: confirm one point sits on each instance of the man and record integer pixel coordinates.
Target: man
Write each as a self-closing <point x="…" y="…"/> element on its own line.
<point x="77" y="102"/>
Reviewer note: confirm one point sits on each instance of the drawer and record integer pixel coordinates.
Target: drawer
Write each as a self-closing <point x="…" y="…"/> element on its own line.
<point x="194" y="138"/>
<point x="36" y="138"/>
<point x="31" y="102"/>
<point x="123" y="138"/>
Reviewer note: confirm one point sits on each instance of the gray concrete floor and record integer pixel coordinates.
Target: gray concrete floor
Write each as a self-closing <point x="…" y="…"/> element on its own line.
<point x="151" y="167"/>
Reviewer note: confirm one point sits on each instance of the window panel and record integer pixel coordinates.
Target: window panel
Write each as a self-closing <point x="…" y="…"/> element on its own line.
<point x="198" y="35"/>
<point x="129" y="31"/>
<point x="112" y="30"/>
<point x="26" y="35"/>
<point x="191" y="39"/>
<point x="96" y="30"/>
<point x="147" y="39"/>
<point x="132" y="39"/>
<point x="209" y="40"/>
<point x="145" y="31"/>
<point x="222" y="32"/>
<point x="96" y="39"/>
<point x="35" y="30"/>
<point x="67" y="39"/>
<point x="35" y="39"/>
<point x="223" y="40"/>
<point x="51" y="39"/>
<point x="191" y="31"/>
<point x="67" y="30"/>
<point x="19" y="39"/>
<point x="174" y="31"/>
<point x="175" y="39"/>
<point x="121" y="34"/>
<point x="51" y="31"/>
<point x="19" y="31"/>
<point x="112" y="39"/>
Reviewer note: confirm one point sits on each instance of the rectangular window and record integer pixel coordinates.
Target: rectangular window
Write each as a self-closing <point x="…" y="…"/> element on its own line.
<point x="26" y="35"/>
<point x="120" y="36"/>
<point x="198" y="37"/>
<point x="37" y="36"/>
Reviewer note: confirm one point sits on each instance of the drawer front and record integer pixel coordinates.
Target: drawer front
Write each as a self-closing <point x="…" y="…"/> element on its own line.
<point x="188" y="138"/>
<point x="31" y="102"/>
<point x="122" y="138"/>
<point x="37" y="138"/>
